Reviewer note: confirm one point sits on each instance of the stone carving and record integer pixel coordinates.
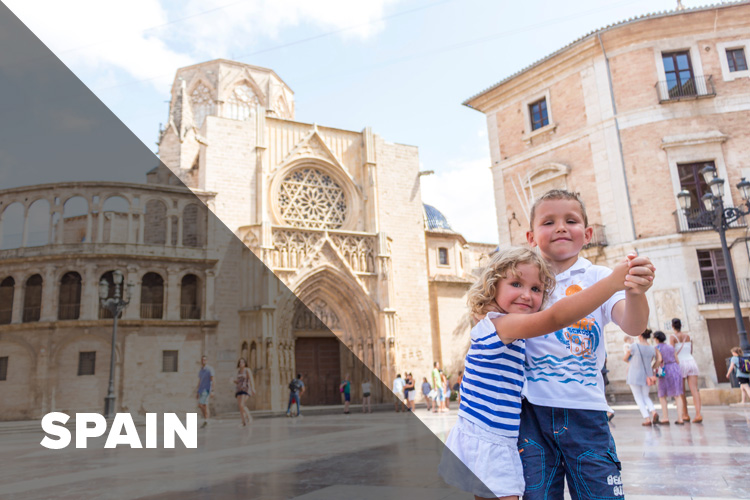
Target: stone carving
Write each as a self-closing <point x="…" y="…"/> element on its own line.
<point x="241" y="103"/>
<point x="292" y="246"/>
<point x="311" y="198"/>
<point x="317" y="316"/>
<point x="203" y="103"/>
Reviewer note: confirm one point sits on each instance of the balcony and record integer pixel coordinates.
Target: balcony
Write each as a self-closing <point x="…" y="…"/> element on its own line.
<point x="599" y="237"/>
<point x="713" y="291"/>
<point x="32" y="313"/>
<point x="152" y="310"/>
<point x="697" y="87"/>
<point x="686" y="226"/>
<point x="68" y="311"/>
<point x="189" y="311"/>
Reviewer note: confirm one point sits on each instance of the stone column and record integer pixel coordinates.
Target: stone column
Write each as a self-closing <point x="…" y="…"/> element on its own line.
<point x="50" y="289"/>
<point x="173" y="294"/>
<point x="25" y="235"/>
<point x="208" y="294"/>
<point x="133" y="311"/>
<point x="89" y="293"/>
<point x="17" y="312"/>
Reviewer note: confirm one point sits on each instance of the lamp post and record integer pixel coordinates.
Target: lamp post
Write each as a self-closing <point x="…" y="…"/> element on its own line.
<point x="115" y="305"/>
<point x="719" y="217"/>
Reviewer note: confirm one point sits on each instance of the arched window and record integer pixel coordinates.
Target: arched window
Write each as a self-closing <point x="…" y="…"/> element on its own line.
<point x="12" y="226"/>
<point x="203" y="104"/>
<point x="309" y="197"/>
<point x="115" y="225"/>
<point x="7" y="289"/>
<point x="193" y="226"/>
<point x="189" y="298"/>
<point x="75" y="220"/>
<point x="155" y="231"/>
<point x="152" y="296"/>
<point x="69" y="305"/>
<point x="38" y="224"/>
<point x="241" y="103"/>
<point x="32" y="299"/>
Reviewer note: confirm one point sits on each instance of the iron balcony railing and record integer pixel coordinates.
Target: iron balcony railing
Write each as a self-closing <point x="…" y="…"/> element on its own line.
<point x="32" y="313"/>
<point x="695" y="87"/>
<point x="687" y="226"/>
<point x="599" y="237"/>
<point x="716" y="291"/>
<point x="69" y="311"/>
<point x="152" y="310"/>
<point x="190" y="312"/>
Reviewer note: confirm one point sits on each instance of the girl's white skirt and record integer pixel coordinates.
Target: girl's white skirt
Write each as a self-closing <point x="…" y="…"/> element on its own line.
<point x="689" y="367"/>
<point x="484" y="464"/>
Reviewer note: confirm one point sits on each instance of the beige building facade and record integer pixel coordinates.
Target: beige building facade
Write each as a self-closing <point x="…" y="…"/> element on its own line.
<point x="301" y="248"/>
<point x="627" y="116"/>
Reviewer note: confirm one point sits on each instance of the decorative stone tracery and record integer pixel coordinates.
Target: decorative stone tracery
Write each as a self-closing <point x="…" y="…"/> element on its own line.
<point x="241" y="103"/>
<point x="203" y="103"/>
<point x="309" y="197"/>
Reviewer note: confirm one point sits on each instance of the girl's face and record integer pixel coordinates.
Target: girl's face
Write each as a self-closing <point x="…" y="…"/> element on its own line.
<point x="241" y="363"/>
<point x="522" y="293"/>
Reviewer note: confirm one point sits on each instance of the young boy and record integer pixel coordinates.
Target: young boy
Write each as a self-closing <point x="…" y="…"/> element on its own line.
<point x="564" y="429"/>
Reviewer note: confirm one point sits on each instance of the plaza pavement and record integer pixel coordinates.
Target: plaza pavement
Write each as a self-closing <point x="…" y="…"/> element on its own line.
<point x="374" y="456"/>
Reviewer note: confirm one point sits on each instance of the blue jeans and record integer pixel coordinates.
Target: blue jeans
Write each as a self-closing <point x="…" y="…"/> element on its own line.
<point x="556" y="444"/>
<point x="293" y="396"/>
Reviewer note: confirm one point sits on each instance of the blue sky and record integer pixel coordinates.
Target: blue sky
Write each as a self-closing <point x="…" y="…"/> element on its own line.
<point x="402" y="67"/>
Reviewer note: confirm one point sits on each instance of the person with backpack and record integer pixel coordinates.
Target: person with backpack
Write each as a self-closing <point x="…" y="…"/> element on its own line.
<point x="741" y="364"/>
<point x="296" y="388"/>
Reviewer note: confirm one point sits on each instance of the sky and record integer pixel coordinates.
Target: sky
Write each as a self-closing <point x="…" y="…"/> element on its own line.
<point x="402" y="67"/>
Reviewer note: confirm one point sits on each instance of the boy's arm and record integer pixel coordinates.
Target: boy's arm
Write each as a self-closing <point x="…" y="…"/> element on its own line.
<point x="631" y="314"/>
<point x="564" y="312"/>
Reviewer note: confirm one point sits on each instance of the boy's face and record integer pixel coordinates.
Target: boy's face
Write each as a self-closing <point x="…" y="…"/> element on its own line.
<point x="559" y="232"/>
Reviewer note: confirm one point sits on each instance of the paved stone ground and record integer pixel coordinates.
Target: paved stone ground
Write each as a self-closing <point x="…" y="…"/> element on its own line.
<point x="374" y="456"/>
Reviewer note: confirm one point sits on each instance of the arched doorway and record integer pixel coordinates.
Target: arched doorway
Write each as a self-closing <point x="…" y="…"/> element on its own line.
<point x="317" y="354"/>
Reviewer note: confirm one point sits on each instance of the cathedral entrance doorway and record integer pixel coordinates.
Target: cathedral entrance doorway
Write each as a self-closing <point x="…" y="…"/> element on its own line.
<point x="318" y="361"/>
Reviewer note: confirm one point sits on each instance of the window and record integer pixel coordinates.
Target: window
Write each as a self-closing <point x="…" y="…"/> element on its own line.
<point x="189" y="298"/>
<point x="69" y="304"/>
<point x="692" y="181"/>
<point x="152" y="296"/>
<point x="736" y="60"/>
<point x="7" y="289"/>
<point x="442" y="256"/>
<point x="86" y="363"/>
<point x="4" y="368"/>
<point x="538" y="114"/>
<point x="32" y="299"/>
<point x="679" y="73"/>
<point x="714" y="278"/>
<point x="169" y="361"/>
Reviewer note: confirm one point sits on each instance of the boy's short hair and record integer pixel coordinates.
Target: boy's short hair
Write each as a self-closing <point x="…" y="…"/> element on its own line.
<point x="481" y="296"/>
<point x="558" y="194"/>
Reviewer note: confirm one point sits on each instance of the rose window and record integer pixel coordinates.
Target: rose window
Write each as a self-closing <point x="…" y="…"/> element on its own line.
<point x="311" y="198"/>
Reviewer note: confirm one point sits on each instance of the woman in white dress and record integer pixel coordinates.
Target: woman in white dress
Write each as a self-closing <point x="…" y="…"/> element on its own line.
<point x="683" y="349"/>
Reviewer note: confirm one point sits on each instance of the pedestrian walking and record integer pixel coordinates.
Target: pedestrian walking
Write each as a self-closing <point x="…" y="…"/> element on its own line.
<point x="398" y="390"/>
<point x="296" y="388"/>
<point x="366" y="391"/>
<point x="410" y="392"/>
<point x="244" y="388"/>
<point x="683" y="347"/>
<point x="640" y="357"/>
<point x="205" y="389"/>
<point x="741" y="366"/>
<point x="670" y="378"/>
<point x="346" y="388"/>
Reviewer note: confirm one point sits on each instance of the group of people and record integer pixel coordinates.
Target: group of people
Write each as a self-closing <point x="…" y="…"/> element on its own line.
<point x="244" y="388"/>
<point x="436" y="392"/>
<point x="533" y="413"/>
<point x="670" y="365"/>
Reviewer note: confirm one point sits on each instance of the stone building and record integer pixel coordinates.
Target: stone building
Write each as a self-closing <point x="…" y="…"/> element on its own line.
<point x="627" y="116"/>
<point x="316" y="253"/>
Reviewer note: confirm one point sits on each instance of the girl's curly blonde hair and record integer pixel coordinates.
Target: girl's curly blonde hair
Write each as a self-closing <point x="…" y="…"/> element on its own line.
<point x="481" y="295"/>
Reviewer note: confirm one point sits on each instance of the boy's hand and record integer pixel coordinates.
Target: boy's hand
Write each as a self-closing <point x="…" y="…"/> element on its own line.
<point x="620" y="274"/>
<point x="640" y="275"/>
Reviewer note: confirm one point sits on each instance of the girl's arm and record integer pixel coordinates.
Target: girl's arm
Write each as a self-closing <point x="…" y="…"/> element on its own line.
<point x="731" y="367"/>
<point x="562" y="313"/>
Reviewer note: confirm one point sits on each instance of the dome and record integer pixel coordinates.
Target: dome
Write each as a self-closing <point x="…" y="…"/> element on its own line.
<point x="435" y="220"/>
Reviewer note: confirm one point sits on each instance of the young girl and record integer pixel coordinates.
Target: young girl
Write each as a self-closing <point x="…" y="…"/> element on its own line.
<point x="508" y="296"/>
<point x="245" y="386"/>
<point x="742" y="377"/>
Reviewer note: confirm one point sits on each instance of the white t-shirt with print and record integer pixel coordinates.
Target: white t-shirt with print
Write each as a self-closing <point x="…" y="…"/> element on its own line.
<point x="563" y="369"/>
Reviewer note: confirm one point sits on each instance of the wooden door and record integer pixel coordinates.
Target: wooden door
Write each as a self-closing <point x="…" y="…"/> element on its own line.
<point x="317" y="359"/>
<point x="723" y="335"/>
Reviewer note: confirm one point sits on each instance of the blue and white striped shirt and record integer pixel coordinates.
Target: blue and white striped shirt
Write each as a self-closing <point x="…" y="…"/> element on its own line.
<point x="493" y="380"/>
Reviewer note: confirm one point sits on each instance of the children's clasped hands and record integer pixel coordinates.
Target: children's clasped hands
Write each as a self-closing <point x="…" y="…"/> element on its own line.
<point x="636" y="273"/>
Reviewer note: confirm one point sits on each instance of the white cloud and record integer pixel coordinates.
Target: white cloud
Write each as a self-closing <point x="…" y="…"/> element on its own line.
<point x="464" y="193"/>
<point x="149" y="41"/>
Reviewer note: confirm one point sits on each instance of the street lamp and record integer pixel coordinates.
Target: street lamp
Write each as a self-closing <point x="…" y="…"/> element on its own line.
<point x="719" y="217"/>
<point x="115" y="305"/>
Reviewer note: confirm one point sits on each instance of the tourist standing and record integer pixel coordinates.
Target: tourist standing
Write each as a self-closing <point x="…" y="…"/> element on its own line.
<point x="346" y="388"/>
<point x="436" y="386"/>
<point x="366" y="391"/>
<point x="670" y="378"/>
<point x="640" y="357"/>
<point x="244" y="388"/>
<point x="205" y="389"/>
<point x="743" y="378"/>
<point x="398" y="390"/>
<point x="683" y="348"/>
<point x="296" y="388"/>
<point x="426" y="388"/>
<point x="446" y="391"/>
<point x="410" y="391"/>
